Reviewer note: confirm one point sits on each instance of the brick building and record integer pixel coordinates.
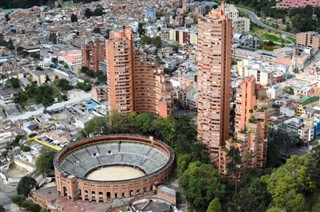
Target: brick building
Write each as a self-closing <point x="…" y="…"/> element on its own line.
<point x="251" y="125"/>
<point x="93" y="52"/>
<point x="308" y="39"/>
<point x="134" y="81"/>
<point x="214" y="65"/>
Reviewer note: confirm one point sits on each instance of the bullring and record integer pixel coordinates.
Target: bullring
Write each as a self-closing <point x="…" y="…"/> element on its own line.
<point x="106" y="168"/>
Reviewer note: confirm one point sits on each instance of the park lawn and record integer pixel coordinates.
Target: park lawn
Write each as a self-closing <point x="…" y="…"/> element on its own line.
<point x="291" y="38"/>
<point x="67" y="4"/>
<point x="274" y="38"/>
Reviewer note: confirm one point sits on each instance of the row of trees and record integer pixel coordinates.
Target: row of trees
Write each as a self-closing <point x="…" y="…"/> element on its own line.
<point x="43" y="94"/>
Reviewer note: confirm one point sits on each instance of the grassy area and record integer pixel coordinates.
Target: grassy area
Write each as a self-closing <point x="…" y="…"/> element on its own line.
<point x="274" y="38"/>
<point x="291" y="38"/>
<point x="67" y="4"/>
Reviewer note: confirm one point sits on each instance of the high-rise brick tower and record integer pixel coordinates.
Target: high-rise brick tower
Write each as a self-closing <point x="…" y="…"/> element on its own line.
<point x="214" y="65"/>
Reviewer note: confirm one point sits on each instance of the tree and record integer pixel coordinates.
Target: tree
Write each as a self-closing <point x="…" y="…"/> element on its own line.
<point x="142" y="122"/>
<point x="18" y="199"/>
<point x="53" y="37"/>
<point x="290" y="183"/>
<point x="44" y="163"/>
<point x="2" y="209"/>
<point x="254" y="196"/>
<point x="276" y="209"/>
<point x="25" y="185"/>
<point x="54" y="60"/>
<point x="35" y="55"/>
<point x="74" y="18"/>
<point x="64" y="84"/>
<point x="141" y="30"/>
<point x="288" y="90"/>
<point x="273" y="155"/>
<point x="146" y="40"/>
<point x="97" y="125"/>
<point x="98" y="11"/>
<point x="19" y="49"/>
<point x="214" y="206"/>
<point x="10" y="45"/>
<point x="200" y="184"/>
<point x="85" y="86"/>
<point x="316" y="207"/>
<point x="97" y="30"/>
<point x="13" y="82"/>
<point x="157" y="41"/>
<point x="88" y="13"/>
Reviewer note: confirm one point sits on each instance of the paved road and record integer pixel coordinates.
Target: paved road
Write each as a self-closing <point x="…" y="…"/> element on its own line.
<point x="256" y="20"/>
<point x="5" y="193"/>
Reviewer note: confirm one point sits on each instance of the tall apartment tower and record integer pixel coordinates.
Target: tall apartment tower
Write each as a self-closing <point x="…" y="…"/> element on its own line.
<point x="135" y="82"/>
<point x="93" y="52"/>
<point x="119" y="63"/>
<point x="251" y="126"/>
<point x="214" y="66"/>
<point x="152" y="88"/>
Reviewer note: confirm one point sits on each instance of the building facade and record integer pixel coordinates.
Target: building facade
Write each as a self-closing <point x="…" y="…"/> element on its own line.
<point x="214" y="65"/>
<point x="93" y="52"/>
<point x="134" y="81"/>
<point x="119" y="63"/>
<point x="308" y="39"/>
<point x="286" y="4"/>
<point x="251" y="125"/>
<point x="152" y="88"/>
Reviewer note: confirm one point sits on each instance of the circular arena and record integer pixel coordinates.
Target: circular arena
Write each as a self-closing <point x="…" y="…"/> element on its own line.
<point x="110" y="167"/>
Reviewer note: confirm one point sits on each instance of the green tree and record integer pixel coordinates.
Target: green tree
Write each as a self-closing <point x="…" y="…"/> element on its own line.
<point x="18" y="199"/>
<point x="157" y="42"/>
<point x="53" y="37"/>
<point x="35" y="55"/>
<point x="13" y="82"/>
<point x="74" y="18"/>
<point x="44" y="163"/>
<point x="25" y="185"/>
<point x="289" y="183"/>
<point x="288" y="90"/>
<point x="85" y="86"/>
<point x="142" y="123"/>
<point x="214" y="206"/>
<point x="253" y="196"/>
<point x="10" y="45"/>
<point x="63" y="84"/>
<point x="146" y="40"/>
<point x="97" y="30"/>
<point x="200" y="184"/>
<point x="166" y="127"/>
<point x="97" y="125"/>
<point x="54" y="60"/>
<point x="316" y="207"/>
<point x="88" y="13"/>
<point x="273" y="155"/>
<point x="276" y="209"/>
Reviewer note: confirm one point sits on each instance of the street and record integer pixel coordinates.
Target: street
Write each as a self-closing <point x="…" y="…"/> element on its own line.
<point x="256" y="20"/>
<point x="5" y="193"/>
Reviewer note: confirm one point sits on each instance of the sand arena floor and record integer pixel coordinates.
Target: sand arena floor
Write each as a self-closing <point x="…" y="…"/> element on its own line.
<point x="115" y="173"/>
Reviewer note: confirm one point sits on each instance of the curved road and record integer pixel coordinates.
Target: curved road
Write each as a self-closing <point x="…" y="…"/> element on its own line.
<point x="256" y="20"/>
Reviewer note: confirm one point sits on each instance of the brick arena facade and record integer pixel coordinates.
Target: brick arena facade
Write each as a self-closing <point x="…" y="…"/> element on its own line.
<point x="74" y="162"/>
